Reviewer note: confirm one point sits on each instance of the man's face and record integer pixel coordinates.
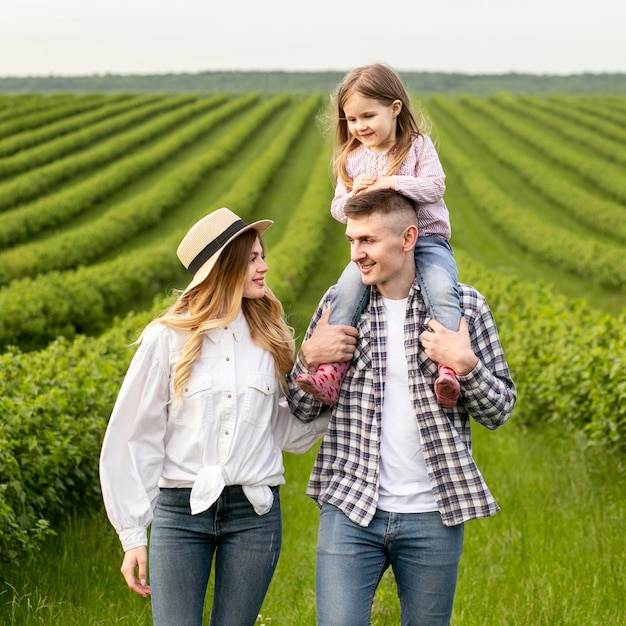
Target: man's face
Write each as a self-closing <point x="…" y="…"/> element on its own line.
<point x="383" y="257"/>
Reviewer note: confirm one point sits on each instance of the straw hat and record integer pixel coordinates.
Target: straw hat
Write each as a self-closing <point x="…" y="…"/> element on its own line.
<point x="206" y="239"/>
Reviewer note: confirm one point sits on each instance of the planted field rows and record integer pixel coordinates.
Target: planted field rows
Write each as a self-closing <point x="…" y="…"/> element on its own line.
<point x="66" y="210"/>
<point x="97" y="191"/>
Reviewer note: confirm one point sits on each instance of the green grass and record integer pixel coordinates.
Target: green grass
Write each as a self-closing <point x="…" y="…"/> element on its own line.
<point x="554" y="555"/>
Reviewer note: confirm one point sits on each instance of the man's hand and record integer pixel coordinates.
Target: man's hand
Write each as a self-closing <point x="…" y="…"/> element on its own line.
<point x="450" y="348"/>
<point x="328" y="344"/>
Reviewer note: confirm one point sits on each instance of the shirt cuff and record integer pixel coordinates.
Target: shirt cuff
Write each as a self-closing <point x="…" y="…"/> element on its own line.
<point x="133" y="538"/>
<point x="474" y="383"/>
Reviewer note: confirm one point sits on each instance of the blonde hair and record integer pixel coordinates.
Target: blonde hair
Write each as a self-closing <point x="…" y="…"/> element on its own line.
<point x="378" y="82"/>
<point x="216" y="301"/>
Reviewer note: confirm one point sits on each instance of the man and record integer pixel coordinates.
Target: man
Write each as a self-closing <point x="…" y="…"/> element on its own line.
<point x="394" y="476"/>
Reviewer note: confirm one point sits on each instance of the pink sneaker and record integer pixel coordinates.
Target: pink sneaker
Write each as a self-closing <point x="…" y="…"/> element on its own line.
<point x="447" y="388"/>
<point x="324" y="385"/>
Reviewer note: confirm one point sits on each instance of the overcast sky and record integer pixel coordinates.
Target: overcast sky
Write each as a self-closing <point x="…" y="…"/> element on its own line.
<point x="82" y="37"/>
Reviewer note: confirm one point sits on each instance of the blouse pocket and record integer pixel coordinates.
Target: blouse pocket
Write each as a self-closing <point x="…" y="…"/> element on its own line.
<point x="260" y="399"/>
<point x="196" y="403"/>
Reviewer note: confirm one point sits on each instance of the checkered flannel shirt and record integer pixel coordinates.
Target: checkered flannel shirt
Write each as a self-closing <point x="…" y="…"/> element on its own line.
<point x="346" y="471"/>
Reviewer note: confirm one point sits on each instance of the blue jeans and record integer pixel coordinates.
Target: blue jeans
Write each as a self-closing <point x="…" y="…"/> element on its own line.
<point x="351" y="560"/>
<point x="246" y="547"/>
<point x="437" y="276"/>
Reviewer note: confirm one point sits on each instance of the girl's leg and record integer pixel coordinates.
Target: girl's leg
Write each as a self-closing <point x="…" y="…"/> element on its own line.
<point x="349" y="298"/>
<point x="346" y="306"/>
<point x="438" y="278"/>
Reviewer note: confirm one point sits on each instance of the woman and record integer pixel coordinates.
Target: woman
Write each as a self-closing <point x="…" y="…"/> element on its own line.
<point x="193" y="446"/>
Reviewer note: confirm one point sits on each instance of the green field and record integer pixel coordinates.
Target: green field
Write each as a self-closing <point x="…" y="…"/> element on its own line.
<point x="96" y="190"/>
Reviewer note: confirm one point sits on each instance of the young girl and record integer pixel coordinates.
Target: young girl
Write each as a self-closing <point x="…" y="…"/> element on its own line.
<point x="379" y="145"/>
<point x="193" y="446"/>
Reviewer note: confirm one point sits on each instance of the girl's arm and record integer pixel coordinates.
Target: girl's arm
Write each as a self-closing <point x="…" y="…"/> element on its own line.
<point x="339" y="201"/>
<point x="427" y="183"/>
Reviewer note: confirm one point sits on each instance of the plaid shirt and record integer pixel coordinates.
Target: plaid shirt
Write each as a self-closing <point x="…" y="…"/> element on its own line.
<point x="345" y="473"/>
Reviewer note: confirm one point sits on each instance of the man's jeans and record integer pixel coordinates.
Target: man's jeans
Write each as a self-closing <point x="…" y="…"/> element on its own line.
<point x="423" y="554"/>
<point x="246" y="548"/>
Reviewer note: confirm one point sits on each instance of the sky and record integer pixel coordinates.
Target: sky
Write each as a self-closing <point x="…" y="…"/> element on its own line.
<point x="87" y="37"/>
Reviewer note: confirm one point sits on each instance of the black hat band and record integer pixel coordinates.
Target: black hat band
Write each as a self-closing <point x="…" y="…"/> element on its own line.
<point x="211" y="248"/>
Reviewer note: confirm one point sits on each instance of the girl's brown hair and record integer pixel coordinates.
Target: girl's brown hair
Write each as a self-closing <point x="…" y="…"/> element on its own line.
<point x="216" y="302"/>
<point x="378" y="82"/>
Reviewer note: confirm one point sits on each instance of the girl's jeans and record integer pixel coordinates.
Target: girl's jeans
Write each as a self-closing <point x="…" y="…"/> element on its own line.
<point x="246" y="547"/>
<point x="437" y="276"/>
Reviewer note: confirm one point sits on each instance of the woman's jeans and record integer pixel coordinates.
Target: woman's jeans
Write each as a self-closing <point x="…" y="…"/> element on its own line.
<point x="246" y="547"/>
<point x="423" y="554"/>
<point x="437" y="277"/>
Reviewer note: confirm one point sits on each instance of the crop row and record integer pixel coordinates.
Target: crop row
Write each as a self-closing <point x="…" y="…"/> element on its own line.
<point x="43" y="179"/>
<point x="38" y="136"/>
<point x="606" y="176"/>
<point x="83" y="300"/>
<point x="575" y="253"/>
<point x="88" y="242"/>
<point x="599" y="214"/>
<point x="591" y="122"/>
<point x="55" y="209"/>
<point x="93" y="127"/>
<point x="606" y="144"/>
<point x="611" y="109"/>
<point x="49" y="114"/>
<point x="16" y="106"/>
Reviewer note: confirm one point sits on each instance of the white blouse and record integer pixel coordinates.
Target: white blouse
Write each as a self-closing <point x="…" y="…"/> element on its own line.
<point x="228" y="429"/>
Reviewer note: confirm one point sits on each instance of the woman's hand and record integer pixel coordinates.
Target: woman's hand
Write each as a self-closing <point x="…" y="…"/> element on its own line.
<point x="136" y="559"/>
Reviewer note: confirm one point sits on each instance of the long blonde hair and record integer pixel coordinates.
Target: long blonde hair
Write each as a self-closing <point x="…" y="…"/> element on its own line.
<point x="378" y="82"/>
<point x="216" y="301"/>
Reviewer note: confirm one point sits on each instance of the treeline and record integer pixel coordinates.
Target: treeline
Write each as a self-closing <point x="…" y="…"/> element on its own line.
<point x="423" y="83"/>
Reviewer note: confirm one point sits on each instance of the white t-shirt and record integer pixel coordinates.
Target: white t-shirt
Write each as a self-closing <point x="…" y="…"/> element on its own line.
<point x="403" y="482"/>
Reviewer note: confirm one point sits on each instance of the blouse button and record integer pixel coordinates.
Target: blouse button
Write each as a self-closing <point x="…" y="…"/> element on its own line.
<point x="228" y="358"/>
